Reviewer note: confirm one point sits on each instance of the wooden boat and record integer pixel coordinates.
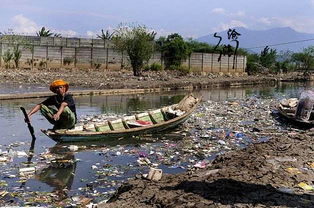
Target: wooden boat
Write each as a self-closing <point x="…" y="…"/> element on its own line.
<point x="287" y="108"/>
<point x="147" y="122"/>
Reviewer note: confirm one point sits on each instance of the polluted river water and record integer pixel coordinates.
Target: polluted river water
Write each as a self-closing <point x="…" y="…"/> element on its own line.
<point x="84" y="173"/>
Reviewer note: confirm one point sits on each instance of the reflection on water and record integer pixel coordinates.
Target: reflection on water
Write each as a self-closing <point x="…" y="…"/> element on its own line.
<point x="60" y="171"/>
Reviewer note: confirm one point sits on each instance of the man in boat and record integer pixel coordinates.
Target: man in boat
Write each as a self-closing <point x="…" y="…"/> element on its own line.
<point x="58" y="109"/>
<point x="305" y="105"/>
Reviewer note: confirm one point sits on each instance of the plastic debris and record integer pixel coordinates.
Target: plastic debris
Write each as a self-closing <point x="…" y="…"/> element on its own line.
<point x="154" y="174"/>
<point x="305" y="186"/>
<point x="201" y="164"/>
<point x="28" y="169"/>
<point x="293" y="170"/>
<point x="285" y="190"/>
<point x="73" y="148"/>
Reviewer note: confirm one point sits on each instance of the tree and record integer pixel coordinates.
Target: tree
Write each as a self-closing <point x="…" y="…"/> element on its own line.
<point x="268" y="57"/>
<point x="252" y="64"/>
<point x="305" y="59"/>
<point x="284" y="62"/>
<point x="200" y="47"/>
<point x="174" y="49"/>
<point x="138" y="42"/>
<point x="44" y="33"/>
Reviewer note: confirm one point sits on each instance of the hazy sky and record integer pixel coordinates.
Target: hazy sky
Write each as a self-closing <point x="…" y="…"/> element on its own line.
<point x="189" y="18"/>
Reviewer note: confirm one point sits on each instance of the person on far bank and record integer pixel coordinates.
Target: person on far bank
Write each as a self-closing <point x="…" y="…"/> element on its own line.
<point x="58" y="109"/>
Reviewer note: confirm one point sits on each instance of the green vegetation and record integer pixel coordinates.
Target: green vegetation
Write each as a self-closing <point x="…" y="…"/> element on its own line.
<point x="68" y="60"/>
<point x="138" y="42"/>
<point x="153" y="67"/>
<point x="105" y="35"/>
<point x="14" y="53"/>
<point x="174" y="50"/>
<point x="7" y="57"/>
<point x="305" y="59"/>
<point x="285" y="61"/>
<point x="43" y="32"/>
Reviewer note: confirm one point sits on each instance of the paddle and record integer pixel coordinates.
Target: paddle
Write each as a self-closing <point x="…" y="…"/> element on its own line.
<point x="31" y="150"/>
<point x="29" y="125"/>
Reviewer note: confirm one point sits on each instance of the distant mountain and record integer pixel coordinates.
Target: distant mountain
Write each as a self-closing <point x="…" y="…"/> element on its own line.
<point x="288" y="39"/>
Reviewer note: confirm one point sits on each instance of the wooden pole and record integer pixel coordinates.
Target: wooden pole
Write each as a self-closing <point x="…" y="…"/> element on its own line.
<point x="202" y="62"/>
<point x="91" y="55"/>
<point x="1" y="54"/>
<point x="47" y="48"/>
<point x="61" y="50"/>
<point x="75" y="57"/>
<point x="121" y="67"/>
<point x="212" y="63"/>
<point x="33" y="49"/>
<point x="107" y="58"/>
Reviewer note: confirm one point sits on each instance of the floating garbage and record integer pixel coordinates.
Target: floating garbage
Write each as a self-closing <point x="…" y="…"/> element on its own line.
<point x="154" y="174"/>
<point x="4" y="159"/>
<point x="73" y="148"/>
<point x="27" y="170"/>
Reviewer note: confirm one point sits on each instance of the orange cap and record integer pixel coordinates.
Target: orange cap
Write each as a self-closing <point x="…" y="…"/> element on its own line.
<point x="57" y="83"/>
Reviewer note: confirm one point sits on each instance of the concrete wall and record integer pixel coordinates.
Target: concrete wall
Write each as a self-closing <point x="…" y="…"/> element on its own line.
<point x="54" y="52"/>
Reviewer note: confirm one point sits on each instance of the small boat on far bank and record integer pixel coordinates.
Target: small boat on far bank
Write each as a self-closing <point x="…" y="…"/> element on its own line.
<point x="148" y="122"/>
<point x="287" y="108"/>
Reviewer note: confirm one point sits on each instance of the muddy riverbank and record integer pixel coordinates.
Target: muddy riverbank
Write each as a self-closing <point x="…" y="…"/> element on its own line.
<point x="268" y="174"/>
<point x="96" y="79"/>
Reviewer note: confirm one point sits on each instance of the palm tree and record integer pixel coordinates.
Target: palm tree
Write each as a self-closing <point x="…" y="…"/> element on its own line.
<point x="44" y="33"/>
<point x="105" y="36"/>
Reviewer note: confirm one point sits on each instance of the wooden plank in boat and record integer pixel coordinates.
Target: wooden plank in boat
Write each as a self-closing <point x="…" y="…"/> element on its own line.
<point x="157" y="116"/>
<point x="102" y="127"/>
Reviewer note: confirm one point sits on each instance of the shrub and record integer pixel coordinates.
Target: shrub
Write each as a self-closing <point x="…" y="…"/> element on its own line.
<point x="16" y="55"/>
<point x="146" y="67"/>
<point x="7" y="57"/>
<point x="68" y="60"/>
<point x="155" y="67"/>
<point x="97" y="65"/>
<point x="42" y="63"/>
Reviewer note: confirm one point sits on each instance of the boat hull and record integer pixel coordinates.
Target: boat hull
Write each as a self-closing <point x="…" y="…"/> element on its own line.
<point x="67" y="136"/>
<point x="289" y="115"/>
